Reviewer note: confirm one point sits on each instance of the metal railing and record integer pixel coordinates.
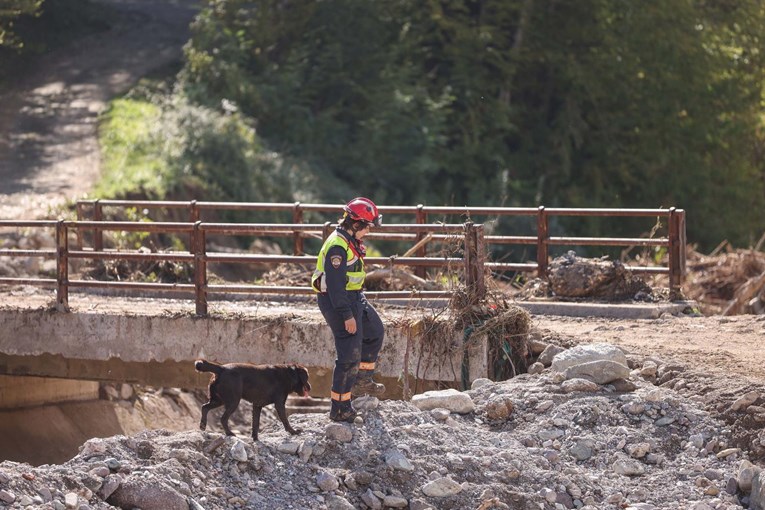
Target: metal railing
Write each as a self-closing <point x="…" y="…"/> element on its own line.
<point x="675" y="241"/>
<point x="472" y="237"/>
<point x="199" y="258"/>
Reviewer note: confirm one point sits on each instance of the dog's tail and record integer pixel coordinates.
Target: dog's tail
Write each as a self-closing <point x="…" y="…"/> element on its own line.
<point x="207" y="366"/>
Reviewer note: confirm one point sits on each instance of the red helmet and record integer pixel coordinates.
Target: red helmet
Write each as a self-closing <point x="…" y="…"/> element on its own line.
<point x="363" y="209"/>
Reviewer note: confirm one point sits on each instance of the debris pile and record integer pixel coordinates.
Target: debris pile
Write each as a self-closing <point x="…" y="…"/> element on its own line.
<point x="729" y="283"/>
<point x="590" y="428"/>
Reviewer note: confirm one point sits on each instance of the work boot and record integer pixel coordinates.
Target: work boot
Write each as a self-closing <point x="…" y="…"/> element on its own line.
<point x="342" y="411"/>
<point x="365" y="385"/>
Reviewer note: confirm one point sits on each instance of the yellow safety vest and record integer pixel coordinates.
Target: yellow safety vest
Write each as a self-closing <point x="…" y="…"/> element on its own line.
<point x="354" y="280"/>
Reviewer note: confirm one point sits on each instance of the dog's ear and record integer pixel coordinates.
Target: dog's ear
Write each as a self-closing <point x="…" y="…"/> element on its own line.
<point x="302" y="374"/>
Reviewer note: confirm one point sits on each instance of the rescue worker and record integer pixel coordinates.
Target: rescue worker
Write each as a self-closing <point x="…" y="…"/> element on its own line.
<point x="358" y="330"/>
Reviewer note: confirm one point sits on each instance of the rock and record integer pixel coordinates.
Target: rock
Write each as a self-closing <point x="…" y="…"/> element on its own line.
<point x="728" y="452"/>
<point x="238" y="451"/>
<point x="71" y="500"/>
<point x="339" y="503"/>
<point x="362" y="477"/>
<point x="547" y="356"/>
<point x="481" y="381"/>
<point x="440" y="414"/>
<point x="535" y="344"/>
<point x="147" y="495"/>
<point x="499" y="408"/>
<point x="587" y="353"/>
<point x="395" y="502"/>
<point x="583" y="385"/>
<point x="111" y="483"/>
<point x="441" y="487"/>
<point x="327" y="481"/>
<point x="623" y="385"/>
<point x="289" y="447"/>
<point x="126" y="391"/>
<point x="757" y="496"/>
<point x="745" y="401"/>
<point x="451" y="399"/>
<point x="396" y="460"/>
<point x="306" y="450"/>
<point x="649" y="369"/>
<point x="746" y="474"/>
<point x="536" y="368"/>
<point x="638" y="451"/>
<point x="628" y="467"/>
<point x="371" y="500"/>
<point x="582" y="449"/>
<point x="598" y="371"/>
<point x="7" y="496"/>
<point x="339" y="432"/>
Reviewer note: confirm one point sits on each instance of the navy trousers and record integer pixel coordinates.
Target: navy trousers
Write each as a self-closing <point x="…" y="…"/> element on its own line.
<point x="351" y="349"/>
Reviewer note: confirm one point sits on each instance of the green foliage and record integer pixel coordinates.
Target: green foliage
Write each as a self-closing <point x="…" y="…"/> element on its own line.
<point x="593" y="103"/>
<point x="165" y="148"/>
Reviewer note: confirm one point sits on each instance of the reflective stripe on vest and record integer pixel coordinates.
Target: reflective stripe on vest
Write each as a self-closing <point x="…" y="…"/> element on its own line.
<point x="354" y="280"/>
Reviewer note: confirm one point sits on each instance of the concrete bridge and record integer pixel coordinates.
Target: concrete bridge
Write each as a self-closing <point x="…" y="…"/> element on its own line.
<point x="155" y="342"/>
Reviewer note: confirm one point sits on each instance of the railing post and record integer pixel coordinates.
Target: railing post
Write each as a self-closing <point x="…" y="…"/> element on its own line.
<point x="193" y="218"/>
<point x="62" y="268"/>
<point x="200" y="269"/>
<point x="478" y="261"/>
<point x="474" y="260"/>
<point x="683" y="241"/>
<point x="297" y="241"/>
<point x="674" y="253"/>
<point x="98" y="235"/>
<point x="542" y="248"/>
<point x="326" y="230"/>
<point x="80" y="242"/>
<point x="467" y="255"/>
<point x="194" y="214"/>
<point x="422" y="218"/>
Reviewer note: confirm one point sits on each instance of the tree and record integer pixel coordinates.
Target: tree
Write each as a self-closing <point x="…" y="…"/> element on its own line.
<point x="594" y="103"/>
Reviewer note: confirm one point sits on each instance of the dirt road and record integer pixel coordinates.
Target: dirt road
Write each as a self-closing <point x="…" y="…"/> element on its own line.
<point x="722" y="346"/>
<point x="49" y="148"/>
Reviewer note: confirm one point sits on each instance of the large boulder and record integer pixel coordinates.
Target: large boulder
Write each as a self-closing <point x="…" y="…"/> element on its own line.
<point x="586" y="354"/>
<point x="451" y="399"/>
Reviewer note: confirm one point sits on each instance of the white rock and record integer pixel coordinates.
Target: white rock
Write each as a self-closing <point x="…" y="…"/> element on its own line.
<point x="238" y="451"/>
<point x="70" y="500"/>
<point x="586" y="353"/>
<point x="455" y="401"/>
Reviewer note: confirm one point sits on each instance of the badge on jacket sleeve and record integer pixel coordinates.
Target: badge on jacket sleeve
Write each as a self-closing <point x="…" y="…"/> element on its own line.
<point x="336" y="260"/>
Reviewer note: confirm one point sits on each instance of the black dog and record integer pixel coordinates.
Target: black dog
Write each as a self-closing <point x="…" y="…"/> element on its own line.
<point x="259" y="384"/>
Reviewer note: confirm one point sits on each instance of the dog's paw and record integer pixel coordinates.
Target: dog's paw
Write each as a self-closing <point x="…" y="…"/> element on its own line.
<point x="202" y="426"/>
<point x="295" y="432"/>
